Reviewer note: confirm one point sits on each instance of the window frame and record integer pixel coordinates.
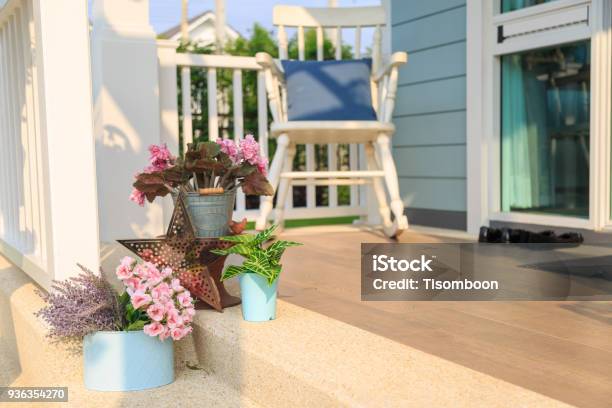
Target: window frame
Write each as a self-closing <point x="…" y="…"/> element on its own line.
<point x="484" y="115"/>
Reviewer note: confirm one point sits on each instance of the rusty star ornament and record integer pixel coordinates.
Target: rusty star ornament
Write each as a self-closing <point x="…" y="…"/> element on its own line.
<point x="190" y="258"/>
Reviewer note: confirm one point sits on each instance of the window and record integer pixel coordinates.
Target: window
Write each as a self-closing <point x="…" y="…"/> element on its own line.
<point x="511" y="5"/>
<point x="545" y="114"/>
<point x="540" y="137"/>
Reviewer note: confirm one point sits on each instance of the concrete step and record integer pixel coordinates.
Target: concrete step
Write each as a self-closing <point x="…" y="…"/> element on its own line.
<point x="300" y="359"/>
<point x="192" y="388"/>
<point x="28" y="359"/>
<point x="306" y="359"/>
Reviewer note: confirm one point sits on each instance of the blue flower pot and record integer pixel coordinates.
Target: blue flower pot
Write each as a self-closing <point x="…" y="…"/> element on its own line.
<point x="258" y="298"/>
<point x="126" y="361"/>
<point x="211" y="213"/>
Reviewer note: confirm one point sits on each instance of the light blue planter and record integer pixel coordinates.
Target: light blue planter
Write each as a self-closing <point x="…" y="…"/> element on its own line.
<point x="211" y="213"/>
<point x="258" y="298"/>
<point x="126" y="361"/>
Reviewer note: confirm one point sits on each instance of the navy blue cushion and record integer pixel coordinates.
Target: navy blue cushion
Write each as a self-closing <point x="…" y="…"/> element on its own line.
<point x="329" y="90"/>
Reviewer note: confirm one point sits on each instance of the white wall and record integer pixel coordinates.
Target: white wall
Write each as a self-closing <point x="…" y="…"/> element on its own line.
<point x="126" y="101"/>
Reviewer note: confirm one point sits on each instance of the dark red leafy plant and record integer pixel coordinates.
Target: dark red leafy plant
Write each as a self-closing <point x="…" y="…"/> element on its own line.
<point x="222" y="166"/>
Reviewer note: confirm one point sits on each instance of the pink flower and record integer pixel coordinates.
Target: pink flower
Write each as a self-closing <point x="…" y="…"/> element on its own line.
<point x="123" y="272"/>
<point x="229" y="147"/>
<point x="156" y="312"/>
<point x="160" y="152"/>
<point x="166" y="272"/>
<point x="173" y="319"/>
<point x="128" y="261"/>
<point x="154" y="329"/>
<point x="140" y="299"/>
<point x="141" y="271"/>
<point x="184" y="299"/>
<point x="178" y="333"/>
<point x="150" y="169"/>
<point x="250" y="149"/>
<point x="134" y="285"/>
<point x="169" y="305"/>
<point x="161" y="292"/>
<point x="154" y="276"/>
<point x="160" y="295"/>
<point x="165" y="334"/>
<point x="187" y="316"/>
<point x="160" y="158"/>
<point x="262" y="165"/>
<point x="189" y="311"/>
<point x="138" y="197"/>
<point x="175" y="284"/>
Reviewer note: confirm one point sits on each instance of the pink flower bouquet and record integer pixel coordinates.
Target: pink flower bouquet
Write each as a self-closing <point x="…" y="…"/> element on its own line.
<point x="154" y="300"/>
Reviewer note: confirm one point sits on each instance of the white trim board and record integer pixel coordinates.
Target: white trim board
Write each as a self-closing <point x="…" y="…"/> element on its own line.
<point x="483" y="96"/>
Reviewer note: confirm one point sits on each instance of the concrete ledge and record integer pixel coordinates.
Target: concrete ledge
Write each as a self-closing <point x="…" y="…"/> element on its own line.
<point x="300" y="359"/>
<point x="306" y="359"/>
<point x="27" y="358"/>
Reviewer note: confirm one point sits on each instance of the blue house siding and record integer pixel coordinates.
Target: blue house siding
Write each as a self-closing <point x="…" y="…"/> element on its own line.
<point x="430" y="143"/>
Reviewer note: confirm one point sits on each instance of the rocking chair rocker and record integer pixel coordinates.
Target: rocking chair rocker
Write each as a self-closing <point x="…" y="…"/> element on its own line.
<point x="374" y="134"/>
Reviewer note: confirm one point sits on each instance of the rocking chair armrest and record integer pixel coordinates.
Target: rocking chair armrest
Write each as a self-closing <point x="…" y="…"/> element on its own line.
<point x="397" y="59"/>
<point x="268" y="63"/>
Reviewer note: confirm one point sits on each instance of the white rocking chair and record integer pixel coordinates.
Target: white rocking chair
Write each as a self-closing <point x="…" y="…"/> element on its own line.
<point x="374" y="135"/>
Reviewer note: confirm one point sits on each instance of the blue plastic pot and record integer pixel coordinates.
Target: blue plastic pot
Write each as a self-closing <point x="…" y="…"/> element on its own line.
<point x="258" y="298"/>
<point x="211" y="213"/>
<point x="126" y="361"/>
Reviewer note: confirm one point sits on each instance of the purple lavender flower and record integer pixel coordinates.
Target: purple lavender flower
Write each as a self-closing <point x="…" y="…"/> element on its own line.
<point x="81" y="305"/>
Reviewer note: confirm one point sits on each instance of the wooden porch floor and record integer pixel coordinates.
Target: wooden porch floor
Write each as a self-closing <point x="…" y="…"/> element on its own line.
<point x="559" y="349"/>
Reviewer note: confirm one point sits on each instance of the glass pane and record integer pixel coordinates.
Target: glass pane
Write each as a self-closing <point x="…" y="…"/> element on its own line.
<point x="545" y="130"/>
<point x="511" y="5"/>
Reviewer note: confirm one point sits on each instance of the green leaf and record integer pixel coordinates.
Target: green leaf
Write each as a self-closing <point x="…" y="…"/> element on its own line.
<point x="240" y="249"/>
<point x="137" y="325"/>
<point x="221" y="252"/>
<point x="231" y="271"/>
<point x="129" y="313"/>
<point x="259" y="264"/>
<point x="276" y="270"/>
<point x="245" y="250"/>
<point x="264" y="235"/>
<point x="124" y="299"/>
<point x="276" y="250"/>
<point x="239" y="238"/>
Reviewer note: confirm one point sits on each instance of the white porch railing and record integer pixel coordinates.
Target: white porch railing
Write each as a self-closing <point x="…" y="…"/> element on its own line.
<point x="170" y="60"/>
<point x="48" y="209"/>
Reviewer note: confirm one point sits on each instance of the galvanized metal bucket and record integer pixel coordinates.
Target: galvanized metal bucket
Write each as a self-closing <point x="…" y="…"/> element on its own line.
<point x="211" y="213"/>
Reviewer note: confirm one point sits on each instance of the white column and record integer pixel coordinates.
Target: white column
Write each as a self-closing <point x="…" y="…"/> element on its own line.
<point x="67" y="143"/>
<point x="168" y="105"/>
<point x="127" y="114"/>
<point x="330" y="33"/>
<point x="386" y="45"/>
<point x="477" y="142"/>
<point x="220" y="25"/>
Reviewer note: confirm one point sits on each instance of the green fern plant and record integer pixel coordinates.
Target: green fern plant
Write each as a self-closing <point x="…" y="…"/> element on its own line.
<point x="257" y="259"/>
